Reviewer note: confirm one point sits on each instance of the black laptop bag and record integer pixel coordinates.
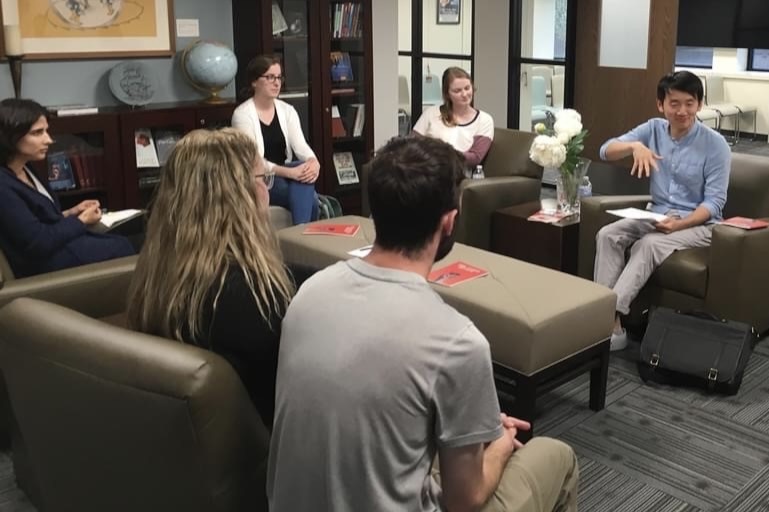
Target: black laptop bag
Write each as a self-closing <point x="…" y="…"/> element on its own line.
<point x="695" y="349"/>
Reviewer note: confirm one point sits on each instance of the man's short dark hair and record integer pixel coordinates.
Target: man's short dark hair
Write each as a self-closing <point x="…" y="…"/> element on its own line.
<point x="684" y="81"/>
<point x="16" y="118"/>
<point x="413" y="182"/>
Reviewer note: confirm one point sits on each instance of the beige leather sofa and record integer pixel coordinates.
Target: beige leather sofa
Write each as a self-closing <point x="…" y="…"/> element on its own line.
<point x="729" y="279"/>
<point x="511" y="178"/>
<point x="116" y="421"/>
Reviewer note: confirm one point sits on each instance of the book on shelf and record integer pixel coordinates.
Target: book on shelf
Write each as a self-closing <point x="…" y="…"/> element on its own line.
<point x="90" y="161"/>
<point x="341" y="67"/>
<point x="72" y="110"/>
<point x="456" y="273"/>
<point x="346" y="172"/>
<point x="165" y="141"/>
<point x="337" y="126"/>
<point x="60" y="173"/>
<point x="331" y="229"/>
<point x="360" y="119"/>
<point x="149" y="180"/>
<point x="339" y="91"/>
<point x="745" y="223"/>
<point x="345" y="20"/>
<point x="146" y="155"/>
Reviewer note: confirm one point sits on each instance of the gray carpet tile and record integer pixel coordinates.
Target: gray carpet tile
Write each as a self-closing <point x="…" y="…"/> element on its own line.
<point x="603" y="489"/>
<point x="754" y="496"/>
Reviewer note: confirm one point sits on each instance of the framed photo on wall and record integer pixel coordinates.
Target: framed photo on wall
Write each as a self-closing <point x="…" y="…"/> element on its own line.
<point x="82" y="29"/>
<point x="448" y="12"/>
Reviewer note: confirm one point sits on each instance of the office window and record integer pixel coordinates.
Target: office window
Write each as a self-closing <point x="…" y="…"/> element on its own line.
<point x="559" y="44"/>
<point x="694" y="56"/>
<point x="759" y="60"/>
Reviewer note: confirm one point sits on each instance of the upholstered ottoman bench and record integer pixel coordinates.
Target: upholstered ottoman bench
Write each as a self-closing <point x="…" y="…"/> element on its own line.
<point x="544" y="327"/>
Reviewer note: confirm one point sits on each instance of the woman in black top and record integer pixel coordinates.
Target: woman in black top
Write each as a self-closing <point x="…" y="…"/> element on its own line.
<point x="210" y="272"/>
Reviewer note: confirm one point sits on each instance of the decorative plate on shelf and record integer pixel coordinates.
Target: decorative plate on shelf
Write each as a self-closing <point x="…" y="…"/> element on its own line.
<point x="132" y="83"/>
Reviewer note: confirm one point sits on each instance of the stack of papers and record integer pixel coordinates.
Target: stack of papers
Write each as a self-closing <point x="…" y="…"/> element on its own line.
<point x="637" y="213"/>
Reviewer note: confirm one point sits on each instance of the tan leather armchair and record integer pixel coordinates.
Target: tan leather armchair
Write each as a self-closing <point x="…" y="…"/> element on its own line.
<point x="511" y="178"/>
<point x="97" y="290"/>
<point x="122" y="421"/>
<point x="728" y="279"/>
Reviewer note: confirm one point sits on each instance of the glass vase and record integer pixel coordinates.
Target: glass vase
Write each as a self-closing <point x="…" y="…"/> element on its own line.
<point x="567" y="187"/>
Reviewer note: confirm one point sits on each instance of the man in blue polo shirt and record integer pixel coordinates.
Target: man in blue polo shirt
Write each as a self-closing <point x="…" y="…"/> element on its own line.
<point x="688" y="165"/>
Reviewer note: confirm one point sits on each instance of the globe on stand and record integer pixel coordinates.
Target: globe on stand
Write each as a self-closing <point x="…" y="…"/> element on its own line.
<point x="209" y="66"/>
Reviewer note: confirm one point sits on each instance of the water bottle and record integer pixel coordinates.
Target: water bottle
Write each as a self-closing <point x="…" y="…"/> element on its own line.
<point x="468" y="172"/>
<point x="585" y="188"/>
<point x="478" y="173"/>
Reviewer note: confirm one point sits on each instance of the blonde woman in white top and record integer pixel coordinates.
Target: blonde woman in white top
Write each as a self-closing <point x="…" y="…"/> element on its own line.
<point x="275" y="126"/>
<point x="456" y="121"/>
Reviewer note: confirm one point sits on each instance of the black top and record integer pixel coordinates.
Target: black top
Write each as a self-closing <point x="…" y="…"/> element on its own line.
<point x="240" y="334"/>
<point x="274" y="141"/>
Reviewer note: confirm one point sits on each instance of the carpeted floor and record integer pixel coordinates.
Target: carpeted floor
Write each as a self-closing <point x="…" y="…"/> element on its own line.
<point x="653" y="448"/>
<point x="666" y="449"/>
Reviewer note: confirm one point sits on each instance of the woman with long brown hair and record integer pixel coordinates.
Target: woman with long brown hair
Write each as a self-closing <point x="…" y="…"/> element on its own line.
<point x="210" y="272"/>
<point x="457" y="121"/>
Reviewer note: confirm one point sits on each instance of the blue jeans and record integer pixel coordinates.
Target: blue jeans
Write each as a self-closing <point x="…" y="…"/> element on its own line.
<point x="299" y="198"/>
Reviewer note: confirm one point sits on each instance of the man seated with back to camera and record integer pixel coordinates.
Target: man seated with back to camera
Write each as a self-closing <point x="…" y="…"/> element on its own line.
<point x="373" y="384"/>
<point x="688" y="164"/>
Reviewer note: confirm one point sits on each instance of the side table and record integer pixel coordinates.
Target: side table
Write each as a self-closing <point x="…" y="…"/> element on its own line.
<point x="549" y="245"/>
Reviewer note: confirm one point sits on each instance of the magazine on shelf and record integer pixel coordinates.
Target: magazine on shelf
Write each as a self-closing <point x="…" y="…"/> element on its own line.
<point x="332" y="229"/>
<point x="146" y="155"/>
<point x="346" y="172"/>
<point x="165" y="140"/>
<point x="456" y="273"/>
<point x="60" y="173"/>
<point x="341" y="67"/>
<point x="744" y="223"/>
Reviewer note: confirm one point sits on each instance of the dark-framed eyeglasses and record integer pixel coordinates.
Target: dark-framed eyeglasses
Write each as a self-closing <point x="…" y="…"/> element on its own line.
<point x="268" y="178"/>
<point x="273" y="78"/>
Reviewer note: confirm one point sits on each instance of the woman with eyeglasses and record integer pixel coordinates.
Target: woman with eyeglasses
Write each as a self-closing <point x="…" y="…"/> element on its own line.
<point x="210" y="272"/>
<point x="36" y="236"/>
<point x="275" y="126"/>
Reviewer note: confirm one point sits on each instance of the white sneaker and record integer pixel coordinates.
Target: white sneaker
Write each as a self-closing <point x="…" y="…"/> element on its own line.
<point x="618" y="341"/>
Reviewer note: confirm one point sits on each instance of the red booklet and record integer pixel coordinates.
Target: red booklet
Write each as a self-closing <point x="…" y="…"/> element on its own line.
<point x="456" y="273"/>
<point x="331" y="229"/>
<point x="548" y="218"/>
<point x="745" y="223"/>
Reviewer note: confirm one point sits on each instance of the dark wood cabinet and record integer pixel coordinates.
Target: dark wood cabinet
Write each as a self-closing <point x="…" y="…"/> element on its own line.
<point x="101" y="148"/>
<point x="90" y="147"/>
<point x="336" y="108"/>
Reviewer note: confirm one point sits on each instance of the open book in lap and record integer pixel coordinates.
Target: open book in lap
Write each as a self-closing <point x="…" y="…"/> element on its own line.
<point x="129" y="220"/>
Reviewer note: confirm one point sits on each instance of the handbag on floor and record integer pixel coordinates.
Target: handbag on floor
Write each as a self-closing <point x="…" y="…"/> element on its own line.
<point x="697" y="349"/>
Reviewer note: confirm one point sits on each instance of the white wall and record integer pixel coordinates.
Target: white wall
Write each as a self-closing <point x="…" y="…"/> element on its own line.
<point x="741" y="87"/>
<point x="385" y="42"/>
<point x="492" y="22"/>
